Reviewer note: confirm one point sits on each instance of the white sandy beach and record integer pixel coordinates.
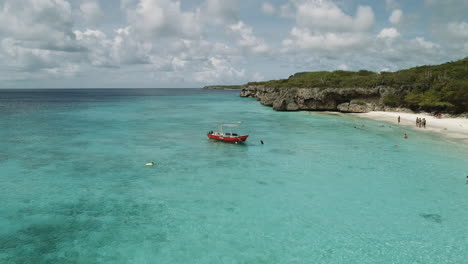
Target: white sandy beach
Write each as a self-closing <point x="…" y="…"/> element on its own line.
<point x="456" y="128"/>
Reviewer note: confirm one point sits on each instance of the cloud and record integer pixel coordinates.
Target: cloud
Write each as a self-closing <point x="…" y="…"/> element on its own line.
<point x="207" y="42"/>
<point x="287" y="11"/>
<point x="257" y="77"/>
<point x="392" y="4"/>
<point x="36" y="62"/>
<point x="448" y="9"/>
<point x="38" y="21"/>
<point x="38" y="37"/>
<point x="91" y="10"/>
<point x="458" y="30"/>
<point x="323" y="27"/>
<point x="326" y="15"/>
<point x="389" y="33"/>
<point x="246" y="39"/>
<point x="220" y="11"/>
<point x="163" y="18"/>
<point x="268" y="8"/>
<point x="121" y="49"/>
<point x="395" y="17"/>
<point x="304" y="39"/>
<point x="343" y="67"/>
<point x="407" y="52"/>
<point x="217" y="69"/>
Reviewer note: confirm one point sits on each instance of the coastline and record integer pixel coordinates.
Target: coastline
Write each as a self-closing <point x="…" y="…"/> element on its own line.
<point x="222" y="87"/>
<point x="453" y="128"/>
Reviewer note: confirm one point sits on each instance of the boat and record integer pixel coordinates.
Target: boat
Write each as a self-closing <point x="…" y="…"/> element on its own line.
<point x="231" y="136"/>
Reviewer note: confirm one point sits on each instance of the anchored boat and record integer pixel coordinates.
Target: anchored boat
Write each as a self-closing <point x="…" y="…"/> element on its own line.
<point x="227" y="133"/>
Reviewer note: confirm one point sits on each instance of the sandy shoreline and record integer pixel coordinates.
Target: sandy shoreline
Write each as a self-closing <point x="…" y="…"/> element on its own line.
<point x="455" y="128"/>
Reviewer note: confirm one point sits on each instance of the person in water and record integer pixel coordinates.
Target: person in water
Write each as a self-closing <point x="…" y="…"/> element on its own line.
<point x="424" y="122"/>
<point x="466" y="179"/>
<point x="405" y="136"/>
<point x="261" y="141"/>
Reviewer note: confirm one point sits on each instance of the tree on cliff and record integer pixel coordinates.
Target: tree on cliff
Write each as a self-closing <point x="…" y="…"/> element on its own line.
<point x="435" y="88"/>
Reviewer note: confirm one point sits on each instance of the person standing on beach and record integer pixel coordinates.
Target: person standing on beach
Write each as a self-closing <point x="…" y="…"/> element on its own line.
<point x="417" y="121"/>
<point x="398" y="119"/>
<point x="424" y="122"/>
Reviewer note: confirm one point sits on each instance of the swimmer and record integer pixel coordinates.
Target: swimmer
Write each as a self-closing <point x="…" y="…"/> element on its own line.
<point x="261" y="141"/>
<point x="466" y="179"/>
<point x="405" y="136"/>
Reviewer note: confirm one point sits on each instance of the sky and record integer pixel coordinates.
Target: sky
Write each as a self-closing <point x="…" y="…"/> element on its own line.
<point x="183" y="44"/>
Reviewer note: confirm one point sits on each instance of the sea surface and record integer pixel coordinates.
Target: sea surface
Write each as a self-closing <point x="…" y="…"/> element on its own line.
<point x="323" y="188"/>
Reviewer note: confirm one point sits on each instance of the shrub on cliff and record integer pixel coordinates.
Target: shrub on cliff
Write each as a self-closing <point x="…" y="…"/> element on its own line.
<point x="431" y="88"/>
<point x="392" y="100"/>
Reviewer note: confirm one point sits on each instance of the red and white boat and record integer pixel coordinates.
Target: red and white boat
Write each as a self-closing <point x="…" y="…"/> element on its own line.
<point x="223" y="135"/>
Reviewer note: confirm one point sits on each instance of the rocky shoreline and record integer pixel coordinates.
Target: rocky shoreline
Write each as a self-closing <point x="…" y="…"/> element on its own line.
<point x="346" y="100"/>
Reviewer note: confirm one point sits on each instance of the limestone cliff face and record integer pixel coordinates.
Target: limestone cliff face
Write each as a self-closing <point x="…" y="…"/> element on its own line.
<point x="350" y="100"/>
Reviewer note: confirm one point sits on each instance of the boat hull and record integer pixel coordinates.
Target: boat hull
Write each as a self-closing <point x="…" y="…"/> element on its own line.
<point x="228" y="139"/>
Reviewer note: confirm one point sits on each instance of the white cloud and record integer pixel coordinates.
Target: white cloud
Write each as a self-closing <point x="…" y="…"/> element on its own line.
<point x="246" y="39"/>
<point x="220" y="11"/>
<point x="268" y="8"/>
<point x="287" y="11"/>
<point x="304" y="39"/>
<point x="323" y="27"/>
<point x="343" y="67"/>
<point x="391" y="4"/>
<point x="121" y="49"/>
<point x="257" y="77"/>
<point x="389" y="33"/>
<point x="36" y="61"/>
<point x="37" y="37"/>
<point x="458" y="30"/>
<point x="217" y="69"/>
<point x="422" y="43"/>
<point x="395" y="17"/>
<point x="164" y="18"/>
<point x="407" y="52"/>
<point x="205" y="42"/>
<point x="40" y="21"/>
<point x="91" y="10"/>
<point x="326" y="15"/>
<point x="97" y="44"/>
<point x="448" y="9"/>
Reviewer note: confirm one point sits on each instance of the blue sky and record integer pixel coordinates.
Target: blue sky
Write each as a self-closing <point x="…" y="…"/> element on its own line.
<point x="169" y="43"/>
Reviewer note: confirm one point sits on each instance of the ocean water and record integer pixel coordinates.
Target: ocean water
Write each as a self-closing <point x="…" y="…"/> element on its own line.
<point x="322" y="189"/>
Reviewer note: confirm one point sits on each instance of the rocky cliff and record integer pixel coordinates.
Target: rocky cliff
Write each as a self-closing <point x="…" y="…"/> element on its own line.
<point x="349" y="100"/>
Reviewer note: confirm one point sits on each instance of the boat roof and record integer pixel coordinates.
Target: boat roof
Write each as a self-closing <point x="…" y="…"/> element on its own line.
<point x="230" y="125"/>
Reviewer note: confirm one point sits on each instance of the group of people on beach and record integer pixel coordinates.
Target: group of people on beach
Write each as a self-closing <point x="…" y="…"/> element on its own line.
<point x="420" y="122"/>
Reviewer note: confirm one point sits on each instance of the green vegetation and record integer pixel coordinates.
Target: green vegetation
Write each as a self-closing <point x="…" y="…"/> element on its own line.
<point x="438" y="88"/>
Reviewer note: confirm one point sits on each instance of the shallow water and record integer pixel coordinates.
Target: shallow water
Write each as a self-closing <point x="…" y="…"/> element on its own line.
<point x="323" y="188"/>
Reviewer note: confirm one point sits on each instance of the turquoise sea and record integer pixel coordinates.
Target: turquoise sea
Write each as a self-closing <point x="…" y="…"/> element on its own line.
<point x="322" y="189"/>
